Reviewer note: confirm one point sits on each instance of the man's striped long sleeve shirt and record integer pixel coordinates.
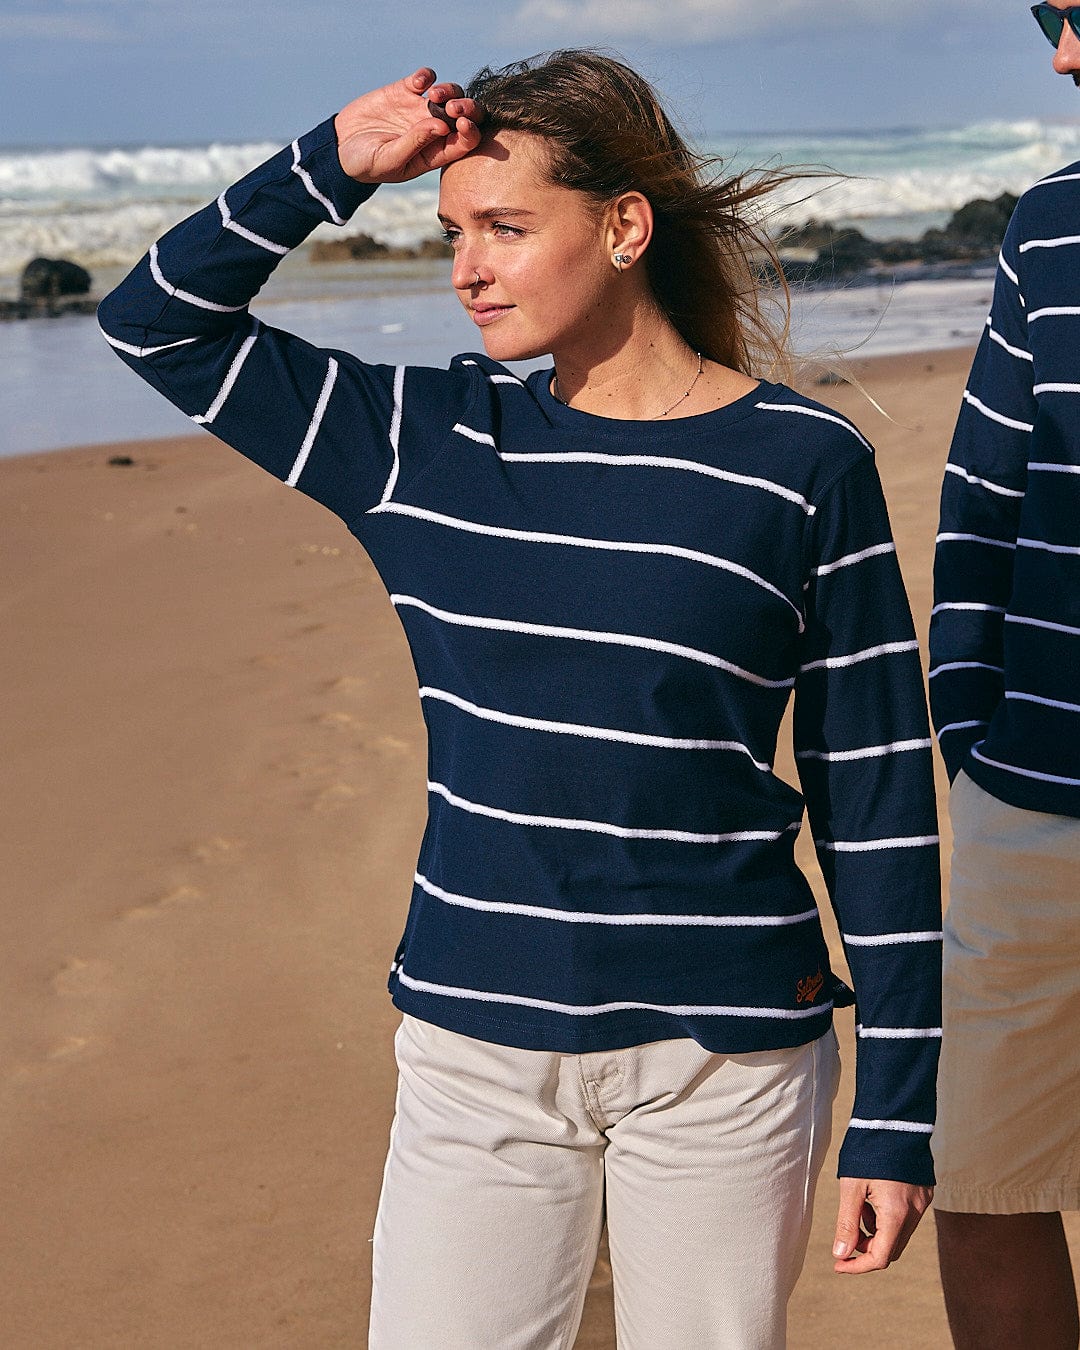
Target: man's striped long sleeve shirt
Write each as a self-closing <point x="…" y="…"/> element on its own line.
<point x="1005" y="629"/>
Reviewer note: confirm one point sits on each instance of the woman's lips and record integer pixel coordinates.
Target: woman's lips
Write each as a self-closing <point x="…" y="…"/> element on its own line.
<point x="485" y="314"/>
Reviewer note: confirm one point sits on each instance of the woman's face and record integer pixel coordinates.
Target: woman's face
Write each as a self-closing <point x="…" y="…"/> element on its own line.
<point x="531" y="263"/>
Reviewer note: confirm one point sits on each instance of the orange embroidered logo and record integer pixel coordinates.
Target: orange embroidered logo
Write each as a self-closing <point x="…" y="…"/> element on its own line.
<point x="807" y="990"/>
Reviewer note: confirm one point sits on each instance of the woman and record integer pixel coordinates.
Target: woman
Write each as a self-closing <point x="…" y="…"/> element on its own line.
<point x="616" y="993"/>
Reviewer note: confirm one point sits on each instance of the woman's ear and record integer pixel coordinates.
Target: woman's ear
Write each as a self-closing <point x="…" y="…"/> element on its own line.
<point x="630" y="226"/>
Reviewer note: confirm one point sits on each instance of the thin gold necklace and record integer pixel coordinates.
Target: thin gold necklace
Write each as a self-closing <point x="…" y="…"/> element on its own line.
<point x="657" y="416"/>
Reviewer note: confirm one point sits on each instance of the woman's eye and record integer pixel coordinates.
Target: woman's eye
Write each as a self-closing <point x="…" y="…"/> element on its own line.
<point x="451" y="237"/>
<point x="506" y="231"/>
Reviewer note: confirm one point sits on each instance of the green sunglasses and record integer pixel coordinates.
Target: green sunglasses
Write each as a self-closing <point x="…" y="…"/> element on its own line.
<point x="1052" y="21"/>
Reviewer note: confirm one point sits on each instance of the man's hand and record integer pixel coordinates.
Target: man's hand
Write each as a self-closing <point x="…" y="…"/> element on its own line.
<point x="389" y="136"/>
<point x="875" y="1221"/>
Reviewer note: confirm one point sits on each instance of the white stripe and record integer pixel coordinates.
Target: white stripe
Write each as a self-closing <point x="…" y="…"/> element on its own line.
<point x="892" y="939"/>
<point x="983" y="482"/>
<point x="659" y="462"/>
<point x="1044" y="547"/>
<point x="967" y="605"/>
<point x="1068" y="628"/>
<point x="1060" y="242"/>
<point x="898" y="1033"/>
<point x="395" y="436"/>
<point x="591" y="635"/>
<point x="867" y="751"/>
<point x="874" y="551"/>
<point x="876" y="845"/>
<point x="1057" y="178"/>
<point x="951" y="537"/>
<point x="230" y="224"/>
<point x="816" y="412"/>
<point x="595" y="733"/>
<point x="578" y="541"/>
<point x="1008" y="270"/>
<point x="1056" y="389"/>
<point x="618" y="920"/>
<point x="904" y="1126"/>
<point x="143" y="351"/>
<point x="980" y="406"/>
<point x="1046" y="702"/>
<point x="867" y="654"/>
<point x="1053" y="312"/>
<point x="995" y="336"/>
<point x="497" y="379"/>
<point x="187" y="296"/>
<point x="963" y="665"/>
<point x="316" y="421"/>
<point x="230" y="379"/>
<point x="313" y="191"/>
<point x="606" y="827"/>
<point x="1025" y="773"/>
<point x="963" y="726"/>
<point x="592" y="1009"/>
<point x="1054" y="468"/>
<point x="481" y="437"/>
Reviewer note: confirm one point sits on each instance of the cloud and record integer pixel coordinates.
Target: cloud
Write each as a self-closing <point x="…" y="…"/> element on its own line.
<point x="59" y="27"/>
<point x="683" y="22"/>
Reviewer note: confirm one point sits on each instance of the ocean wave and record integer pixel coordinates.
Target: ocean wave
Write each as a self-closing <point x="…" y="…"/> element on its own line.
<point x="105" y="206"/>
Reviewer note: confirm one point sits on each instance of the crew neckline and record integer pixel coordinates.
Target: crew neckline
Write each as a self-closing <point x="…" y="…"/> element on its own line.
<point x="560" y="414"/>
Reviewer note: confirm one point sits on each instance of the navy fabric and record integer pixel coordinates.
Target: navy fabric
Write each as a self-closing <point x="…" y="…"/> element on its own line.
<point x="1005" y="629"/>
<point x="608" y="620"/>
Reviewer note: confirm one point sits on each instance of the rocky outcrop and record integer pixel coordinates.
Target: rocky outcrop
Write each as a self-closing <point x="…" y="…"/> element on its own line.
<point x="818" y="252"/>
<point x="363" y="248"/>
<point x="50" y="286"/>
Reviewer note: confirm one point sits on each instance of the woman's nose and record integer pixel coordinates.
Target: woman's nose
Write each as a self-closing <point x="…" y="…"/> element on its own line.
<point x="465" y="274"/>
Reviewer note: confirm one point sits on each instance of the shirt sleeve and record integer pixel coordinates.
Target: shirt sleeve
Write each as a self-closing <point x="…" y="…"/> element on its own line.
<point x="341" y="430"/>
<point x="981" y="497"/>
<point x="863" y="750"/>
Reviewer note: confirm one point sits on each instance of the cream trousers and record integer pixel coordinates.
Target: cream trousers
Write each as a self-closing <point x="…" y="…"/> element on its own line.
<point x="504" y="1164"/>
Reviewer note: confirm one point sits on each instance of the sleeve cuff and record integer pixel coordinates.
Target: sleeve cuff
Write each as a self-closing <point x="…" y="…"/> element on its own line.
<point x="319" y="157"/>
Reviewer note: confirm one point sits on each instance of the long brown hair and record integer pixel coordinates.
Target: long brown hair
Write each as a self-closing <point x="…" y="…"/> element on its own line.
<point x="607" y="133"/>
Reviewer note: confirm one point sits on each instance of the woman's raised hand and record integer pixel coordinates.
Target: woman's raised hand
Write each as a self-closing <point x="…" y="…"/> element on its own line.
<point x="389" y="136"/>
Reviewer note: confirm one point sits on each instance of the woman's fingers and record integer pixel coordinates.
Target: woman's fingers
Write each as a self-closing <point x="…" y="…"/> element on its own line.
<point x="395" y="133"/>
<point x="875" y="1222"/>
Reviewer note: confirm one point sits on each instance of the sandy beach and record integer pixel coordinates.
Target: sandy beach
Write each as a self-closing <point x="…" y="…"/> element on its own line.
<point x="213" y="797"/>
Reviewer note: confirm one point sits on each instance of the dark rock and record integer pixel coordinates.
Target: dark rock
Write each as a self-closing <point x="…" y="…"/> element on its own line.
<point x="981" y="224"/>
<point x="45" y="279"/>
<point x="363" y="248"/>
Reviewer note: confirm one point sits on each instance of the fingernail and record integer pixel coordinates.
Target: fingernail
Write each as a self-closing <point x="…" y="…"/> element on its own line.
<point x="840" y="1249"/>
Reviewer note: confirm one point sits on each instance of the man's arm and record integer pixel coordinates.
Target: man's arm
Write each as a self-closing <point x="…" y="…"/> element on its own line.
<point x="981" y="497"/>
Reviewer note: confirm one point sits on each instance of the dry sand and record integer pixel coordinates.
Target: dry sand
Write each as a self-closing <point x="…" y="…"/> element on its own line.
<point x="212" y="799"/>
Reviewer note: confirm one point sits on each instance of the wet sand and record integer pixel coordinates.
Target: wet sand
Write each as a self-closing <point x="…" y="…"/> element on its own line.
<point x="213" y="799"/>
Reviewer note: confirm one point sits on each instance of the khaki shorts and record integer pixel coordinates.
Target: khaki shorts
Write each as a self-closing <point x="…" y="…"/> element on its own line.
<point x="1008" y="1134"/>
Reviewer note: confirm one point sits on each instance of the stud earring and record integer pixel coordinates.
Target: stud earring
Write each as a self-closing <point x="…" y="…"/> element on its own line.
<point x="621" y="260"/>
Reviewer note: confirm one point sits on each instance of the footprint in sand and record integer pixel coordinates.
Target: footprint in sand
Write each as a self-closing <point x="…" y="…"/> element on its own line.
<point x="334" y="796"/>
<point x="340" y="721"/>
<point x="68" y="1047"/>
<point x="219" y="849"/>
<point x="346" y="684"/>
<point x="179" y="895"/>
<point x="307" y="630"/>
<point x="78" y="978"/>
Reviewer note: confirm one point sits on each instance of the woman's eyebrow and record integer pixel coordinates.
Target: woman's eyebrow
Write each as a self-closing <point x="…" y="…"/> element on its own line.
<point x="493" y="213"/>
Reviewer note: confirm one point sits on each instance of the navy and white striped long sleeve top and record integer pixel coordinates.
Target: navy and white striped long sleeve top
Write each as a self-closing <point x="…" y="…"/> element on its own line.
<point x="1005" y="628"/>
<point x="607" y="619"/>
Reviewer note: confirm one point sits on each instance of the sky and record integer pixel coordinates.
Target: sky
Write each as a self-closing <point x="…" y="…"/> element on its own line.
<point x="104" y="72"/>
